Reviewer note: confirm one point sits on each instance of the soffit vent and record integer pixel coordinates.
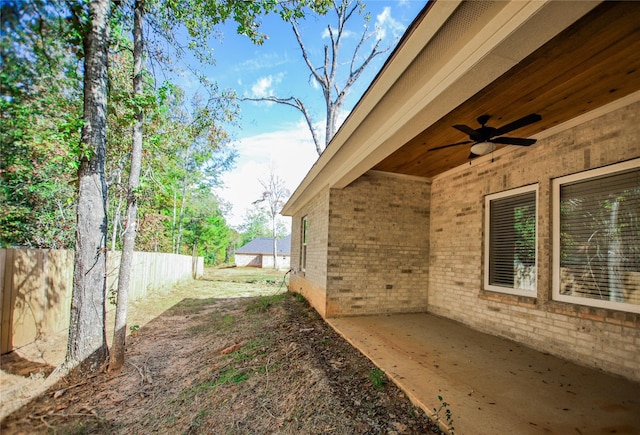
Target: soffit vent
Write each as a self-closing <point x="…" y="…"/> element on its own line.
<point x="458" y="30"/>
<point x="464" y="24"/>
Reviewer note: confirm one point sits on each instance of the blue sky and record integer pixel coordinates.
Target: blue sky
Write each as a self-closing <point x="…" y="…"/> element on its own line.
<point x="272" y="136"/>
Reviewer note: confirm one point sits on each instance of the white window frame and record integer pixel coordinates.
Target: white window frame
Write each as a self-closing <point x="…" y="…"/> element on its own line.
<point x="556" y="185"/>
<point x="304" y="235"/>
<point x="487" y="243"/>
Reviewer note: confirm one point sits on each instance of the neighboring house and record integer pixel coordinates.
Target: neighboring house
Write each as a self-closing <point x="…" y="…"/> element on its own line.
<point x="259" y="253"/>
<point x="539" y="244"/>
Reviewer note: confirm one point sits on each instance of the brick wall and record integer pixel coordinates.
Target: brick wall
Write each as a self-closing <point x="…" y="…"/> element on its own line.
<point x="601" y="338"/>
<point x="311" y="282"/>
<point x="378" y="246"/>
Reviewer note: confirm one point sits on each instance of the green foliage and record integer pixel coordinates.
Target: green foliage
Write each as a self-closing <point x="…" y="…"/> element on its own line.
<point x="448" y="415"/>
<point x="525" y="226"/>
<point x="205" y="227"/>
<point x="263" y="303"/>
<point x="301" y="298"/>
<point x="255" y="224"/>
<point x="40" y="122"/>
<point x="378" y="378"/>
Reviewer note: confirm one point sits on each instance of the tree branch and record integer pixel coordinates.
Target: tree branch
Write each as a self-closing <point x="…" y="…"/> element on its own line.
<point x="305" y="55"/>
<point x="297" y="104"/>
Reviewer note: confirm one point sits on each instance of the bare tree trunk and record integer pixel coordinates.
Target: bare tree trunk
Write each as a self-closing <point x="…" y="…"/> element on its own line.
<point x="275" y="242"/>
<point x="87" y="345"/>
<point x="174" y="249"/>
<point x="116" y="216"/>
<point x="116" y="360"/>
<point x="194" y="259"/>
<point x="180" y="215"/>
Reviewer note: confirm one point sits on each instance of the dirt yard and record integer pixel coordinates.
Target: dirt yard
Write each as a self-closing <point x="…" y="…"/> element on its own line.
<point x="231" y="353"/>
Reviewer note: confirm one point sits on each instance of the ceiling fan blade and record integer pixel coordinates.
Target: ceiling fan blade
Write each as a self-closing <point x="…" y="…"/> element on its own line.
<point x="451" y="145"/>
<point x="526" y="120"/>
<point x="466" y="129"/>
<point x="514" y="141"/>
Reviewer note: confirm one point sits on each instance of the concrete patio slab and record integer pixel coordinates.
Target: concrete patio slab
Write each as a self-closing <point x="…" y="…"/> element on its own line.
<point x="492" y="385"/>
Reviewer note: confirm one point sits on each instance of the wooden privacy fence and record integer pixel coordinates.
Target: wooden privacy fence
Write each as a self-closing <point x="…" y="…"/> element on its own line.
<point x="36" y="285"/>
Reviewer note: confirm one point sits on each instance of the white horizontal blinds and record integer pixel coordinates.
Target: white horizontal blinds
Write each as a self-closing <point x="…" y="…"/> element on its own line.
<point x="512" y="244"/>
<point x="305" y="226"/>
<point x="303" y="253"/>
<point x="600" y="238"/>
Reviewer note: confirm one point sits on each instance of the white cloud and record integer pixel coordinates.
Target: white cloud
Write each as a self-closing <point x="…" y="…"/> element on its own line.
<point x="386" y="23"/>
<point x="263" y="60"/>
<point x="345" y="33"/>
<point x="290" y="152"/>
<point x="263" y="87"/>
<point x="260" y="88"/>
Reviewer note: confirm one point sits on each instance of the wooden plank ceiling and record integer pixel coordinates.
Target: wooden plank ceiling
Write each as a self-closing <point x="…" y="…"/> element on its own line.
<point x="592" y="63"/>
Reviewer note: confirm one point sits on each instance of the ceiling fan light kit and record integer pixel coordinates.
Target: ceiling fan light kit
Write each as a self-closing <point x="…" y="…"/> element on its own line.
<point x="482" y="148"/>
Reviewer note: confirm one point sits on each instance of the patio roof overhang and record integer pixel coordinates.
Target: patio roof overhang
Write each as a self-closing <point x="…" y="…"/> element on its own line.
<point x="459" y="60"/>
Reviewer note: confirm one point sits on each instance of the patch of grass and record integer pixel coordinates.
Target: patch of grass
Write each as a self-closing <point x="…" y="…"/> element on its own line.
<point x="232" y="375"/>
<point x="263" y="303"/>
<point x="301" y="298"/>
<point x="191" y="306"/>
<point x="213" y="323"/>
<point x="236" y="379"/>
<point x="378" y="378"/>
<point x="197" y="420"/>
<point x="250" y="350"/>
<point x="254" y="278"/>
<point x="89" y="426"/>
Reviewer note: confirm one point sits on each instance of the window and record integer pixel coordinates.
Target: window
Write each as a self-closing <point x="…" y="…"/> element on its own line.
<point x="303" y="238"/>
<point x="510" y="241"/>
<point x="596" y="237"/>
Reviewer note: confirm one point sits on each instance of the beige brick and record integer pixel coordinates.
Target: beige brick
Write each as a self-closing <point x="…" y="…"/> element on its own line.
<point x="398" y="244"/>
<point x="456" y="245"/>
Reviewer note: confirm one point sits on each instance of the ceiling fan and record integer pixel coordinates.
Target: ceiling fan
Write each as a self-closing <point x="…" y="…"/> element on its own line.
<point x="485" y="138"/>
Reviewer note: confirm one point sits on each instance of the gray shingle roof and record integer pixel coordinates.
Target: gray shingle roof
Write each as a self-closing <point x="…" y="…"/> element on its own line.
<point x="264" y="245"/>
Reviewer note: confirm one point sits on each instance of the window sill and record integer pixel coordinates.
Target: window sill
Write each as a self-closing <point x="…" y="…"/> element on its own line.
<point x="508" y="298"/>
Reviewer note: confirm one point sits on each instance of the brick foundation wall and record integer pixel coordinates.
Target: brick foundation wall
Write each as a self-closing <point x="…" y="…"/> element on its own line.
<point x="378" y="246"/>
<point x="601" y="338"/>
<point x="311" y="282"/>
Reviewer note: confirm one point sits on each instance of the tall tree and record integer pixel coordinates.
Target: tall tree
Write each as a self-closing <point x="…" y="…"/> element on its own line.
<point x="116" y="360"/>
<point x="274" y="195"/>
<point x="255" y="223"/>
<point x="206" y="230"/>
<point x="87" y="346"/>
<point x="335" y="85"/>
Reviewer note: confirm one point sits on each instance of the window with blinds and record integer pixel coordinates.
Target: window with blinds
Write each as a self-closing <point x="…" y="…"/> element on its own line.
<point x="510" y="241"/>
<point x="303" y="248"/>
<point x="597" y="237"/>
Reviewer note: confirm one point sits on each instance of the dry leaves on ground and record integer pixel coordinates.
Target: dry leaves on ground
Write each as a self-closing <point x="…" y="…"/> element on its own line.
<point x="266" y="364"/>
